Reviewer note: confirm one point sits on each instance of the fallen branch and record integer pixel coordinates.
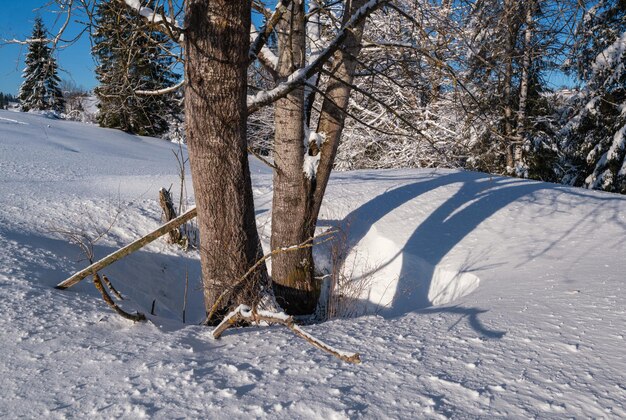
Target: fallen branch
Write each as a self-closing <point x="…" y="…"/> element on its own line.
<point x="128" y="249"/>
<point x="113" y="290"/>
<point x="245" y="313"/>
<point x="133" y="317"/>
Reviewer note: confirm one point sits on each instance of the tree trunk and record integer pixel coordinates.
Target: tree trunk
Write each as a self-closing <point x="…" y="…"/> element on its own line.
<point x="522" y="113"/>
<point x="334" y="107"/>
<point x="508" y="84"/>
<point x="440" y="52"/>
<point x="216" y="47"/>
<point x="292" y="273"/>
<point x="297" y="197"/>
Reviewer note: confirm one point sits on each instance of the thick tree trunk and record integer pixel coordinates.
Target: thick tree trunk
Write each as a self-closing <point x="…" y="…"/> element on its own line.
<point x="216" y="48"/>
<point x="292" y="273"/>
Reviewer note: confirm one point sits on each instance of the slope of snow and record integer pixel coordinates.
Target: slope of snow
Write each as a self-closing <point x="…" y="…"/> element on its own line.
<point x="485" y="296"/>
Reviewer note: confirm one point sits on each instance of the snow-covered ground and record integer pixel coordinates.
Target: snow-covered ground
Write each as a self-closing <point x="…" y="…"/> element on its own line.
<point x="496" y="296"/>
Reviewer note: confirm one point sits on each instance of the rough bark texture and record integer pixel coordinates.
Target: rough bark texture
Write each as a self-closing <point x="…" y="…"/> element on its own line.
<point x="292" y="272"/>
<point x="333" y="113"/>
<point x="169" y="213"/>
<point x="216" y="48"/>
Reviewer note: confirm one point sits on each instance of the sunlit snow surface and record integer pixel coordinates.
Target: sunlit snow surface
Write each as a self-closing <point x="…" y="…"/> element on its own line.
<point x="487" y="296"/>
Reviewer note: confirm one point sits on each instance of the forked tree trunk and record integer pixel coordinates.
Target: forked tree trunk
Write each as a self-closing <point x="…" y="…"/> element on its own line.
<point x="216" y="47"/>
<point x="334" y="107"/>
<point x="292" y="273"/>
<point x="298" y="198"/>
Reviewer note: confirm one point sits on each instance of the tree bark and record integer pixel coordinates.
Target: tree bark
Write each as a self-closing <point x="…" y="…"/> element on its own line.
<point x="298" y="198"/>
<point x="522" y="112"/>
<point x="169" y="213"/>
<point x="334" y="107"/>
<point x="217" y="41"/>
<point x="292" y="273"/>
<point x="511" y="29"/>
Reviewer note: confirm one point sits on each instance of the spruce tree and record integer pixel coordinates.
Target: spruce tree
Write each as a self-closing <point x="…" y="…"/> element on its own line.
<point x="40" y="89"/>
<point x="130" y="57"/>
<point x="595" y="138"/>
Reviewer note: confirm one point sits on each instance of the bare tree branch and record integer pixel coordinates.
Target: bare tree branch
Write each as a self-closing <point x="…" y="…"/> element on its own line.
<point x="263" y="98"/>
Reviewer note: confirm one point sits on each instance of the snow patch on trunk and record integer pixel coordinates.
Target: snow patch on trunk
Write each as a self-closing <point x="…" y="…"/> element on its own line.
<point x="313" y="142"/>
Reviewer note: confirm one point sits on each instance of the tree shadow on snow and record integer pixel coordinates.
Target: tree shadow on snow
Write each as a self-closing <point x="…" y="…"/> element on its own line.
<point x="143" y="277"/>
<point x="478" y="198"/>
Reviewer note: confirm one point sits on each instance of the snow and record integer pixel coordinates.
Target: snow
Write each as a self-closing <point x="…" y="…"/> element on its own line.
<point x="485" y="296"/>
<point x="311" y="162"/>
<point x="155" y="17"/>
<point x="609" y="57"/>
<point x="268" y="55"/>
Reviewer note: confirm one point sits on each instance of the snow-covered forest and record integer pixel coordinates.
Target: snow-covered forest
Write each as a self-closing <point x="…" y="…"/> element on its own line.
<point x="364" y="208"/>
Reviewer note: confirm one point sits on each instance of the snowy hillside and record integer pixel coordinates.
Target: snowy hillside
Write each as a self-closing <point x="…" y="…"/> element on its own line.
<point x="485" y="296"/>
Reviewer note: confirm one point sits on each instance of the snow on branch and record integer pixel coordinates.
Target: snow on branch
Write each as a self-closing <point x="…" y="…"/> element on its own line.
<point x="264" y="54"/>
<point x="163" y="91"/>
<point x="266" y="97"/>
<point x="245" y="313"/>
<point x="54" y="41"/>
<point x="169" y="24"/>
<point x="257" y="45"/>
<point x="26" y="41"/>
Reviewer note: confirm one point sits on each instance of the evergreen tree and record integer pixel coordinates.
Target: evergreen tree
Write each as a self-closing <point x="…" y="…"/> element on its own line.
<point x="509" y="43"/>
<point x="40" y="89"/>
<point x="130" y="58"/>
<point x="595" y="137"/>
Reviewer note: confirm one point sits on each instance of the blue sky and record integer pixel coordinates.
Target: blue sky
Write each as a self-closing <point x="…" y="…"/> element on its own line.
<point x="16" y="21"/>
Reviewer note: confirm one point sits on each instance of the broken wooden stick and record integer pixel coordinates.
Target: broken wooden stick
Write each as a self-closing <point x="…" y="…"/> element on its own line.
<point x="245" y="313"/>
<point x="169" y="213"/>
<point x="128" y="249"/>
<point x="107" y="298"/>
<point x="113" y="290"/>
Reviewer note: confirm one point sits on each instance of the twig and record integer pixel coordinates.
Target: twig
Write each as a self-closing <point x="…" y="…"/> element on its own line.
<point x="133" y="317"/>
<point x="262" y="159"/>
<point x="113" y="290"/>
